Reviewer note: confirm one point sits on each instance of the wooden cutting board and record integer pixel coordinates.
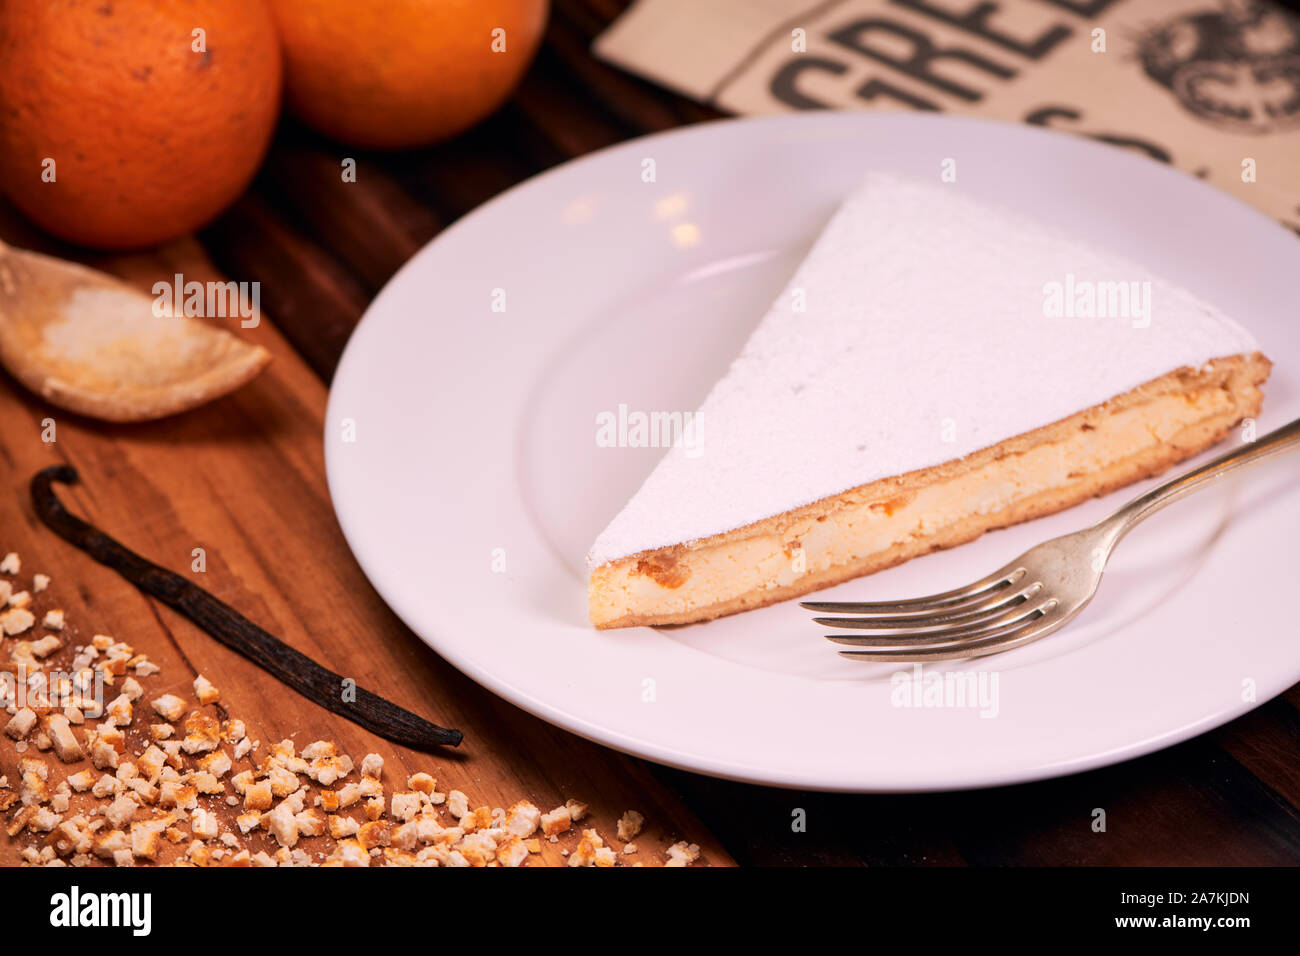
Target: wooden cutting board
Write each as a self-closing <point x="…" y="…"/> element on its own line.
<point x="243" y="479"/>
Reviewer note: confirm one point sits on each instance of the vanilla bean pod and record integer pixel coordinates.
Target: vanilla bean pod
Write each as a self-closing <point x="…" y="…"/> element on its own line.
<point x="291" y="667"/>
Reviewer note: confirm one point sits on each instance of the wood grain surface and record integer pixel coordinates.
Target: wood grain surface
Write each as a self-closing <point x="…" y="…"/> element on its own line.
<point x="244" y="480"/>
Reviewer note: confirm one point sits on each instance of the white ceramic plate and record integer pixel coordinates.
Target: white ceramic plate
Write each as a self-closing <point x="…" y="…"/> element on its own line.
<point x="472" y="485"/>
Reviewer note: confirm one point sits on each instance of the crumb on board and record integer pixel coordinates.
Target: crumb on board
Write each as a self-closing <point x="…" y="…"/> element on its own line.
<point x="88" y="777"/>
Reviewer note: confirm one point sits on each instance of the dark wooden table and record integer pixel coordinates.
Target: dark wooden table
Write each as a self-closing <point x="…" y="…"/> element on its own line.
<point x="322" y="251"/>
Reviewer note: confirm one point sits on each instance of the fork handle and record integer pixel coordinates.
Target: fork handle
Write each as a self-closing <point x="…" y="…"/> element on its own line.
<point x="1277" y="442"/>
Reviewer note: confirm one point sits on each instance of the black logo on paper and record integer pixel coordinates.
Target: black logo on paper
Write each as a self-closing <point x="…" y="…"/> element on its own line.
<point x="1238" y="68"/>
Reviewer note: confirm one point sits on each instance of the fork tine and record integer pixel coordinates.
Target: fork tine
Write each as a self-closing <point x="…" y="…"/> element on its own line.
<point x="945" y="600"/>
<point x="1018" y="635"/>
<point x="962" y="634"/>
<point x="998" y="602"/>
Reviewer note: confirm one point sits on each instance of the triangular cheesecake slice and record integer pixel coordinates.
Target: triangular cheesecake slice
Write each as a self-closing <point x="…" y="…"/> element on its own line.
<point x="937" y="367"/>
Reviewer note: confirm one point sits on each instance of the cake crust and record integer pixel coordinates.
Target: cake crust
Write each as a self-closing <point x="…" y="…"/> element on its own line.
<point x="1238" y="376"/>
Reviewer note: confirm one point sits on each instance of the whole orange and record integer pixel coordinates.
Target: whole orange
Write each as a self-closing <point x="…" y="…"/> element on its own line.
<point x="127" y="123"/>
<point x="403" y="73"/>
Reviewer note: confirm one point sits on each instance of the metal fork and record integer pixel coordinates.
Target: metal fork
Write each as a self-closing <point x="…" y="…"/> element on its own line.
<point x="1031" y="597"/>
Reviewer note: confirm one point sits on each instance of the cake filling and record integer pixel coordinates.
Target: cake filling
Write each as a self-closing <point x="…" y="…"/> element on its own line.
<point x="673" y="584"/>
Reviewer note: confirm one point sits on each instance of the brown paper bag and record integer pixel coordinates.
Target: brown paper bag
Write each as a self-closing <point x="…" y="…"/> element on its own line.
<point x="1210" y="87"/>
